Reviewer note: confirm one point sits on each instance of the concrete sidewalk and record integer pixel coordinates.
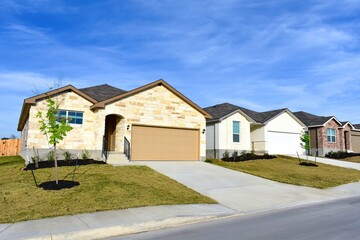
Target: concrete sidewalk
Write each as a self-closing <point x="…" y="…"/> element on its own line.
<point x="112" y="223"/>
<point x="329" y="161"/>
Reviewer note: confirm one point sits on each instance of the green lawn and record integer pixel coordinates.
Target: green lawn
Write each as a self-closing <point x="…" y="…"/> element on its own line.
<point x="102" y="187"/>
<point x="287" y="170"/>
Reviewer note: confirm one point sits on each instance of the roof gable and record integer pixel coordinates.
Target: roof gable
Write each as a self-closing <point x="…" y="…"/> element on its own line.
<point x="221" y="111"/>
<point x="32" y="101"/>
<point x="287" y="111"/>
<point x="160" y="82"/>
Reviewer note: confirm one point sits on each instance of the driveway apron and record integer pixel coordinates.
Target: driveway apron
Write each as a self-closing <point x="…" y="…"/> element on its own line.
<point x="239" y="191"/>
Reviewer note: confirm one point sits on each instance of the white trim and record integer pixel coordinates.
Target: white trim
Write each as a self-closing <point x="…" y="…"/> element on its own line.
<point x="242" y="113"/>
<point x="284" y="132"/>
<point x="333" y="117"/>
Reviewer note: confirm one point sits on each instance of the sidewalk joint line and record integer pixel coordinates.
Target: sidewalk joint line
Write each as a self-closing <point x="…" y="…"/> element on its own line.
<point x="83" y="221"/>
<point x="6" y="228"/>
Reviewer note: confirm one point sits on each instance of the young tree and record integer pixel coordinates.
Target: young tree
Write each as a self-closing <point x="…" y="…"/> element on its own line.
<point x="305" y="143"/>
<point x="54" y="127"/>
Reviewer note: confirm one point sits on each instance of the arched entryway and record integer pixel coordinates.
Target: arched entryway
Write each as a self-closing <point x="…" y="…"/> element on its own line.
<point x="113" y="132"/>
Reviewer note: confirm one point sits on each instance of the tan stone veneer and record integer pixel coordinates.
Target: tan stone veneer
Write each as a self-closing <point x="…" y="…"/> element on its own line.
<point x="156" y="106"/>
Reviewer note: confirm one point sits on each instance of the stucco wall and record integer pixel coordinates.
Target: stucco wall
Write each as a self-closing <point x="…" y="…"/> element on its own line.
<point x="284" y="123"/>
<point x="258" y="141"/>
<point x="226" y="134"/>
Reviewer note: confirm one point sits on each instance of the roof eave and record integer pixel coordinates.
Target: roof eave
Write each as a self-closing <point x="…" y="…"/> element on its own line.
<point x="159" y="82"/>
<point x="242" y="113"/>
<point x="32" y="101"/>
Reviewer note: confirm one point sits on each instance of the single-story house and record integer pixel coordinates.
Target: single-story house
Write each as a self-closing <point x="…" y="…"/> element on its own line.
<point x="327" y="133"/>
<point x="235" y="128"/>
<point x="355" y="138"/>
<point x="152" y="122"/>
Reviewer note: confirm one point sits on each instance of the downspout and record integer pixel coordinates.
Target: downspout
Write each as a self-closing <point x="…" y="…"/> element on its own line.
<point x="214" y="140"/>
<point x="316" y="143"/>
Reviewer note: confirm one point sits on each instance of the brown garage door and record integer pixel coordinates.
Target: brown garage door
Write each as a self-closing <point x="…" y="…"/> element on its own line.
<point x="158" y="143"/>
<point x="355" y="141"/>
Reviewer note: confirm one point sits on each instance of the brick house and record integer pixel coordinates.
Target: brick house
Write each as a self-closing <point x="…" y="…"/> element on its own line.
<point x="152" y="122"/>
<point x="326" y="133"/>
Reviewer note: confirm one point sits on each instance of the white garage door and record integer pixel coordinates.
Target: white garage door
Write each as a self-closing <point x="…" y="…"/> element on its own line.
<point x="284" y="143"/>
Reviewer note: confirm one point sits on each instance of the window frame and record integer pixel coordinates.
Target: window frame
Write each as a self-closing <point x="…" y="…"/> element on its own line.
<point x="70" y="118"/>
<point x="331" y="135"/>
<point x="236" y="135"/>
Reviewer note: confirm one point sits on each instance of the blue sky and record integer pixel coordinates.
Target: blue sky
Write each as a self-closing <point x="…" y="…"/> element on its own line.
<point x="262" y="55"/>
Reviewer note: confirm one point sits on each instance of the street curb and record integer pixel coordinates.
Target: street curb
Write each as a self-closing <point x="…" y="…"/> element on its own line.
<point x="99" y="233"/>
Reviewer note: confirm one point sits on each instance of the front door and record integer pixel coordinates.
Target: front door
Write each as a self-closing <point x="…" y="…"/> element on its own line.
<point x="346" y="136"/>
<point x="110" y="131"/>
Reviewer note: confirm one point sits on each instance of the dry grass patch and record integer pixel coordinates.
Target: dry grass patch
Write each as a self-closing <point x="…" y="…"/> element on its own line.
<point x="287" y="170"/>
<point x="102" y="187"/>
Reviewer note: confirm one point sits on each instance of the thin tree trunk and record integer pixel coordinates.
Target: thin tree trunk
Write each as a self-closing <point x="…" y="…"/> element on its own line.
<point x="56" y="166"/>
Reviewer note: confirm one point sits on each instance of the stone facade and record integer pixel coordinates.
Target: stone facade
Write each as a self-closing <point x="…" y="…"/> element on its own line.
<point x="156" y="106"/>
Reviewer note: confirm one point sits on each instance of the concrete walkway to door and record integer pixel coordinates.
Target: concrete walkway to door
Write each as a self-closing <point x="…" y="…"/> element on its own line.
<point x="243" y="192"/>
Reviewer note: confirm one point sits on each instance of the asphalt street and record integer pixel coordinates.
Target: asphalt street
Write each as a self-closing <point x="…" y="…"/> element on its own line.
<point x="338" y="219"/>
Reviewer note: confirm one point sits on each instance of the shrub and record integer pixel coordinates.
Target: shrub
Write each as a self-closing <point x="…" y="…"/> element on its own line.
<point x="235" y="154"/>
<point x="50" y="156"/>
<point x="67" y="155"/>
<point x="36" y="158"/>
<point x="340" y="154"/>
<point x="85" y="155"/>
<point x="246" y="157"/>
<point x="226" y="154"/>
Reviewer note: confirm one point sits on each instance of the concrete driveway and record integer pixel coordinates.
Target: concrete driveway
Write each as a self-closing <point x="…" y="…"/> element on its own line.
<point x="243" y="192"/>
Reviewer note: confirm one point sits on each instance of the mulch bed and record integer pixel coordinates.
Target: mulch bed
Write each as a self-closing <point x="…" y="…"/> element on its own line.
<point x="308" y="164"/>
<point x="248" y="157"/>
<point x="62" y="163"/>
<point x="51" y="185"/>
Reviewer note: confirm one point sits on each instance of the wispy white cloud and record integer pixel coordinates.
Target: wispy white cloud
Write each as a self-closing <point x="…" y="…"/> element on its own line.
<point x="259" y="54"/>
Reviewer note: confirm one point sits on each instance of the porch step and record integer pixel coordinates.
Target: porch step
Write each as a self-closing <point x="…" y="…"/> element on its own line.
<point x="115" y="158"/>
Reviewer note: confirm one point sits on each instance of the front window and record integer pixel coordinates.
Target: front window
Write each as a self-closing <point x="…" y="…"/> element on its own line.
<point x="72" y="117"/>
<point x="331" y="135"/>
<point x="236" y="131"/>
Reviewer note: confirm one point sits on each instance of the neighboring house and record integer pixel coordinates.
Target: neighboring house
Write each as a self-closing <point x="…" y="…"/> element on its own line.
<point x="155" y="121"/>
<point x="234" y="128"/>
<point x="326" y="133"/>
<point x="355" y="138"/>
